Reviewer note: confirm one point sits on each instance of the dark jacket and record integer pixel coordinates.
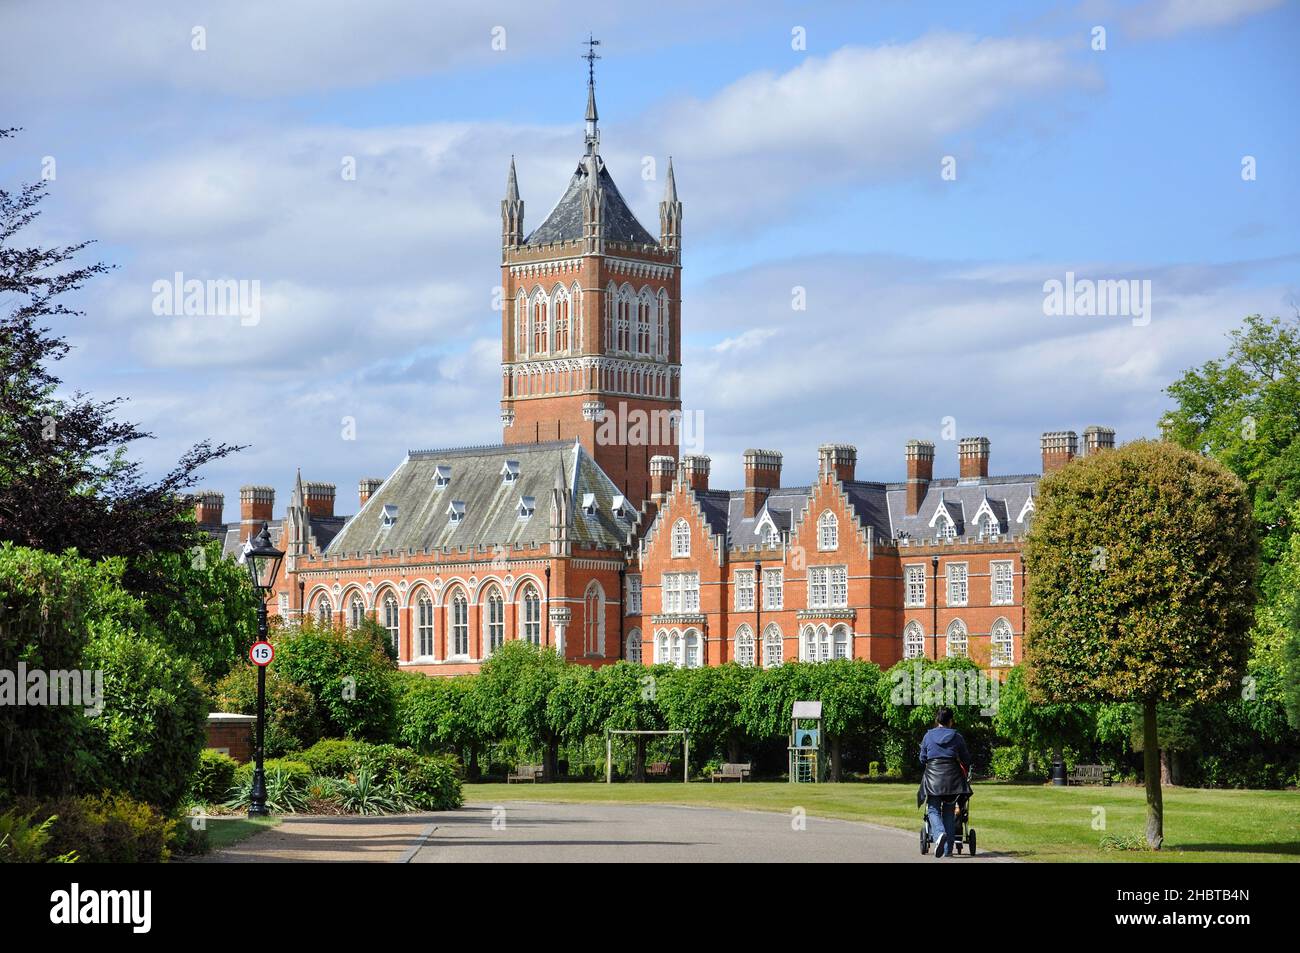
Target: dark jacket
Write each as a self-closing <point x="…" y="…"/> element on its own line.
<point x="945" y="762"/>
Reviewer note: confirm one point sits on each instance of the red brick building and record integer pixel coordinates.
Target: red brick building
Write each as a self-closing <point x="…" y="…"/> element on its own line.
<point x="584" y="532"/>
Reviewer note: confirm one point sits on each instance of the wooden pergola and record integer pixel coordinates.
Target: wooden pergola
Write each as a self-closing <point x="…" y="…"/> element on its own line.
<point x="609" y="750"/>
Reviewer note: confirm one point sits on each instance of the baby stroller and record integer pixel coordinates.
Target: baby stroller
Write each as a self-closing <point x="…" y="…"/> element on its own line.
<point x="962" y="834"/>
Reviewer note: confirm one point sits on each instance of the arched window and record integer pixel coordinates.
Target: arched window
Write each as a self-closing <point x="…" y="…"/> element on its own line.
<point x="828" y="532"/>
<point x="391" y="618"/>
<point x="356" y="612"/>
<point x="593" y="618"/>
<point x="623" y="328"/>
<point x="575" y="318"/>
<point x="913" y="641"/>
<point x="611" y="306"/>
<point x="681" y="538"/>
<point x="1001" y="650"/>
<point x="532" y="615"/>
<point x="633" y="648"/>
<point x="424" y="625"/>
<point x="691" y="655"/>
<point x="324" y="611"/>
<point x="956" y="639"/>
<point x="521" y="326"/>
<point x="773" y="646"/>
<point x="841" y="642"/>
<point x="745" y="645"/>
<point x="662" y="349"/>
<point x="644" y="307"/>
<point x="540" y="340"/>
<point x="816" y="644"/>
<point x="494" y="620"/>
<point x="561" y="321"/>
<point x="459" y="624"/>
<point x="945" y="528"/>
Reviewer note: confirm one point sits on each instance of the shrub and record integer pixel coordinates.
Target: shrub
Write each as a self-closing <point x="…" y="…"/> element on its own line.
<point x="348" y="674"/>
<point x="212" y="780"/>
<point x="23" y="841"/>
<point x="433" y="783"/>
<point x="1009" y="763"/>
<point x="363" y="793"/>
<point x="292" y="719"/>
<point x="109" y="829"/>
<point x="334" y="757"/>
<point x="188" y="839"/>
<point x="148" y="738"/>
<point x="286" y="786"/>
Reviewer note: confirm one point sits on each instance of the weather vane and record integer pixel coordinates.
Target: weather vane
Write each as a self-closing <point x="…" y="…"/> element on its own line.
<point x="591" y="56"/>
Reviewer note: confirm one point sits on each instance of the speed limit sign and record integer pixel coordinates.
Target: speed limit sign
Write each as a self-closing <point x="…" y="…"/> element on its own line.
<point x="261" y="653"/>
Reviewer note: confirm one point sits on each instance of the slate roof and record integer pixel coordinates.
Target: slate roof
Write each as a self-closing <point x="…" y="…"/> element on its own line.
<point x="565" y="221"/>
<point x="491" y="505"/>
<point x="881" y="506"/>
<point x="323" y="528"/>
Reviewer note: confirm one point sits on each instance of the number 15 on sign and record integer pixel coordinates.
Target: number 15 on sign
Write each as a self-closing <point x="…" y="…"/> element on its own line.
<point x="261" y="654"/>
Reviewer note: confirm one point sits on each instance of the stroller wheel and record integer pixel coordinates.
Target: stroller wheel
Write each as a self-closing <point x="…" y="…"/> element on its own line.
<point x="970" y="840"/>
<point x="925" y="839"/>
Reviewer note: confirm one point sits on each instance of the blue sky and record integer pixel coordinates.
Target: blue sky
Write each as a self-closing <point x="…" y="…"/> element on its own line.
<point x="817" y="168"/>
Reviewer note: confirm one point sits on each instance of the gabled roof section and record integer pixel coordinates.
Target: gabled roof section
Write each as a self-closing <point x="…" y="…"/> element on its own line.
<point x="564" y="224"/>
<point x="1005" y="496"/>
<point x="490" y="506"/>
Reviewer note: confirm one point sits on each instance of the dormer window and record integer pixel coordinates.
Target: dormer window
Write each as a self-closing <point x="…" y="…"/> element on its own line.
<point x="455" y="511"/>
<point x="526" y="507"/>
<point x="389" y="517"/>
<point x="620" y="507"/>
<point x="772" y="538"/>
<point x="441" y="476"/>
<point x="510" y="471"/>
<point x="989" y="528"/>
<point x="589" y="504"/>
<point x="944" y="528"/>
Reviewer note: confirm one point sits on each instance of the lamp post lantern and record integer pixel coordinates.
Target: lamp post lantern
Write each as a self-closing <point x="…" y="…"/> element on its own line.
<point x="263" y="562"/>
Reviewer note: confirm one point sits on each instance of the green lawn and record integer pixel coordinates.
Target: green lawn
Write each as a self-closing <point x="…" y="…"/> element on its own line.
<point x="1029" y="822"/>
<point x="224" y="831"/>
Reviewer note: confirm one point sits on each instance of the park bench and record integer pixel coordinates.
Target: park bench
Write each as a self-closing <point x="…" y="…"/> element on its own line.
<point x="525" y="772"/>
<point x="731" y="771"/>
<point x="658" y="769"/>
<point x="1090" y="774"/>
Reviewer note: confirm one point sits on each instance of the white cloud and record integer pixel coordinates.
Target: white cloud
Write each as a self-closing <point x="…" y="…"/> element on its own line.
<point x="1162" y="18"/>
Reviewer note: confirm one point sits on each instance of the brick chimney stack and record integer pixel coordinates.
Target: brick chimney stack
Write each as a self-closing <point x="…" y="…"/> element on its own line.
<point x="255" y="506"/>
<point x="208" y="507"/>
<point x="762" y="476"/>
<point x="973" y="454"/>
<point x="837" y="461"/>
<point x="367" y="488"/>
<point x="1059" y="448"/>
<point x="1097" y="439"/>
<point x="696" y="467"/>
<point x="920" y="471"/>
<point x="662" y="470"/>
<point x="320" y="498"/>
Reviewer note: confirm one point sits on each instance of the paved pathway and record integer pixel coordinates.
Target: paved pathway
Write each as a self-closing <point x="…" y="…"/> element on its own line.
<point x="551" y="832"/>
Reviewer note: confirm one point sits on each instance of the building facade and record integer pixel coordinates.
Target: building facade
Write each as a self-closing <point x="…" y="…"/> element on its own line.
<point x="584" y="531"/>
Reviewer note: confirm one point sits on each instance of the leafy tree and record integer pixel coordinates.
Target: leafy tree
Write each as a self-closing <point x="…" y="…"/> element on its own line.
<point x="207" y="608"/>
<point x="348" y="673"/>
<point x="513" y="689"/>
<point x="1244" y="410"/>
<point x="1141" y="565"/>
<point x="849" y="692"/>
<point x="293" y="720"/>
<point x="1041" y="727"/>
<point x="909" y="696"/>
<point x="65" y="479"/>
<point x="622" y="697"/>
<point x="707" y="702"/>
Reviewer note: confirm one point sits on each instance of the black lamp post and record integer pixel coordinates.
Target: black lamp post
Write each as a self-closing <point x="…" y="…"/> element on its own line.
<point x="263" y="562"/>
<point x="758" y="614"/>
<point x="934" y="623"/>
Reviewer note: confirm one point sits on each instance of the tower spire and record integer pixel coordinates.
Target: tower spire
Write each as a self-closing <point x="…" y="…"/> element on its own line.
<point x="670" y="216"/>
<point x="512" y="211"/>
<point x="593" y="135"/>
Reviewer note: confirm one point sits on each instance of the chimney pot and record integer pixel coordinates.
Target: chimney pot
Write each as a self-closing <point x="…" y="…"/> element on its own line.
<point x="838" y="461"/>
<point x="920" y="471"/>
<point x="1059" y="448"/>
<point x="1097" y="439"/>
<point x="367" y="488"/>
<point x="256" y="504"/>
<point x="696" y="467"/>
<point x="762" y="476"/>
<point x="973" y="456"/>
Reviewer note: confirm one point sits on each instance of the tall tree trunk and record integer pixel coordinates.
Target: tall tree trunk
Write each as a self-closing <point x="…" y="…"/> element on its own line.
<point x="638" y="769"/>
<point x="835" y="759"/>
<point x="472" y="771"/>
<point x="1166" y="766"/>
<point x="1151" y="772"/>
<point x="551" y="761"/>
<point x="733" y="750"/>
